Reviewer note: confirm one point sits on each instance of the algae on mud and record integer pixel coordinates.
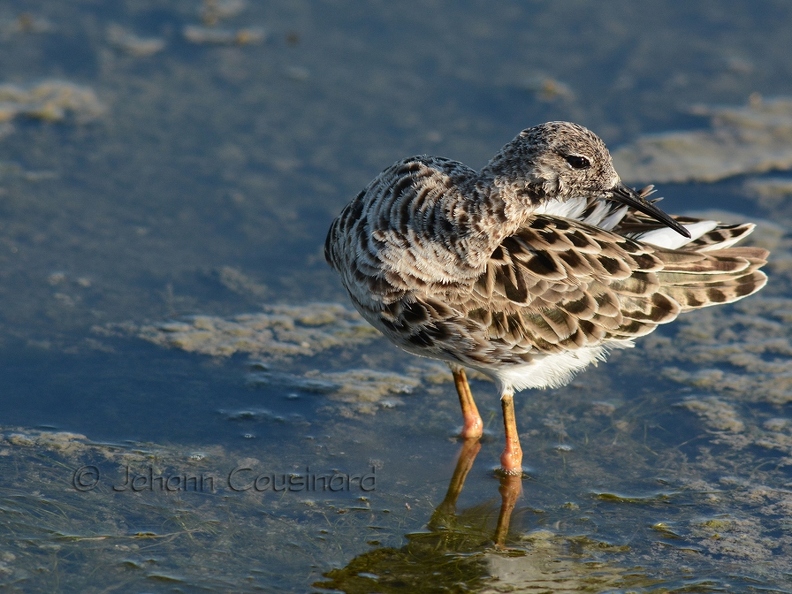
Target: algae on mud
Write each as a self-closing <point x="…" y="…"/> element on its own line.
<point x="752" y="139"/>
<point x="51" y="100"/>
<point x="280" y="332"/>
<point x="195" y="535"/>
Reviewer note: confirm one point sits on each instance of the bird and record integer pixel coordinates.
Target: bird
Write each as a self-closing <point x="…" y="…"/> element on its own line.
<point x="530" y="269"/>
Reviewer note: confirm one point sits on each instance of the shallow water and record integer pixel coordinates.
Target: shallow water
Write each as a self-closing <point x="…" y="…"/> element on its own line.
<point x="158" y="184"/>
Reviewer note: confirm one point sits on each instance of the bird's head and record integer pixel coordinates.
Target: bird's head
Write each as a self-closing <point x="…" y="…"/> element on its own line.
<point x="559" y="161"/>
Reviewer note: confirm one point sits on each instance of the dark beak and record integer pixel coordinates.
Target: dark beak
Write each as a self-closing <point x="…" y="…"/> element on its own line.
<point x="629" y="196"/>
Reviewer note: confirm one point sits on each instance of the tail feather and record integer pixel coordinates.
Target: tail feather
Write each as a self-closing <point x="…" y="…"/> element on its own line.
<point x="709" y="271"/>
<point x="722" y="237"/>
<point x="726" y="290"/>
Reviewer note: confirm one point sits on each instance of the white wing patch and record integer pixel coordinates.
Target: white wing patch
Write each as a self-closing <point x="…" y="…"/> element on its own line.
<point x="603" y="215"/>
<point x="568" y="209"/>
<point x="670" y="239"/>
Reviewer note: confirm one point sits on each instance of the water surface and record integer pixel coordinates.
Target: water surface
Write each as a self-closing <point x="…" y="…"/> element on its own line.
<point x="168" y="175"/>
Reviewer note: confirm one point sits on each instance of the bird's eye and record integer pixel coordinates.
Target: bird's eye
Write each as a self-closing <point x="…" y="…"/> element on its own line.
<point x="578" y="162"/>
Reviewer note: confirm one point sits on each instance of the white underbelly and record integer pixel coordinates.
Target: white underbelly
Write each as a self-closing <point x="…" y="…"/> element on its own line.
<point x="552" y="371"/>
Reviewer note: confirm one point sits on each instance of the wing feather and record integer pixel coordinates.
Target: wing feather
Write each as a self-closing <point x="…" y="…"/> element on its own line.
<point x="562" y="284"/>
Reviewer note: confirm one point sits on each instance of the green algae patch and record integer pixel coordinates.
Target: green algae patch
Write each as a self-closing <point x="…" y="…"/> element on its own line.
<point x="635" y="499"/>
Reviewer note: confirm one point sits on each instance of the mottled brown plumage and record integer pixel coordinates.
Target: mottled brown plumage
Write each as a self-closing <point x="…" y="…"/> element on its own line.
<point x="530" y="269"/>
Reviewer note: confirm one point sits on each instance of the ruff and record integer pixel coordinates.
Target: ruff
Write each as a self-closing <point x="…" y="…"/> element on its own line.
<point x="530" y="269"/>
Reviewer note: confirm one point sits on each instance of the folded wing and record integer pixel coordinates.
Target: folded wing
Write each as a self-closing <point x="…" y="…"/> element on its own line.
<point x="559" y="284"/>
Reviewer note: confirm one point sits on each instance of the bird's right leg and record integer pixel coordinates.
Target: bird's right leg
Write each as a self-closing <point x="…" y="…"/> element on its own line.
<point x="511" y="458"/>
<point x="473" y="426"/>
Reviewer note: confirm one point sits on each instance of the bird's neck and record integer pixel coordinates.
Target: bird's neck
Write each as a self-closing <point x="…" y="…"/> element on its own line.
<point x="498" y="209"/>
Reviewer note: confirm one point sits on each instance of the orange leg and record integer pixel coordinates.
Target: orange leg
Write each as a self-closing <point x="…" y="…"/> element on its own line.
<point x="511" y="458"/>
<point x="473" y="427"/>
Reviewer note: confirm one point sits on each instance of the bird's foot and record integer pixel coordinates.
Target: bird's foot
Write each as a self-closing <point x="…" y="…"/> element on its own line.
<point x="473" y="427"/>
<point x="511" y="460"/>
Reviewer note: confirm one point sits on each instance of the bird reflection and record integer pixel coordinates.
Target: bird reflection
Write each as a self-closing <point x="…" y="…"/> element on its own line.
<point x="460" y="552"/>
<point x="445" y="557"/>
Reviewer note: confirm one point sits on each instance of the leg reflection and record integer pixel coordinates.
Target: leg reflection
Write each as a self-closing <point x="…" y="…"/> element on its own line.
<point x="447" y="509"/>
<point x="510" y="490"/>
